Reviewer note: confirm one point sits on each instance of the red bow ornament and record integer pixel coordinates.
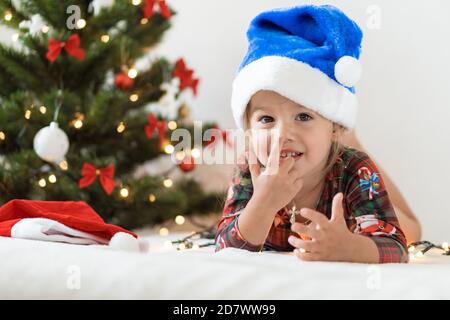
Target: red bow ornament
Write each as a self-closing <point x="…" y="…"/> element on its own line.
<point x="153" y="124"/>
<point x="186" y="76"/>
<point x="90" y="173"/>
<point x="163" y="8"/>
<point x="71" y="46"/>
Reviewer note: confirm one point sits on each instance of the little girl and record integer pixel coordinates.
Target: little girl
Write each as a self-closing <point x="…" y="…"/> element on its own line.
<point x="299" y="189"/>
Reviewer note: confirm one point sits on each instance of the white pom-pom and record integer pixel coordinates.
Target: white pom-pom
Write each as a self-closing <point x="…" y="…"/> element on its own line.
<point x="51" y="143"/>
<point x="348" y="71"/>
<point x="124" y="241"/>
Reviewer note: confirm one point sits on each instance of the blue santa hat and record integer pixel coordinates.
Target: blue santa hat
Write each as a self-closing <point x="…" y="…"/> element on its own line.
<point x="308" y="54"/>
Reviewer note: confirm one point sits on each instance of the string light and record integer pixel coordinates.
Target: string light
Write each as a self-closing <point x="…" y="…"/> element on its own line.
<point x="43" y="109"/>
<point x="144" y="21"/>
<point x="169" y="149"/>
<point x="124" y="192"/>
<point x="8" y="16"/>
<point x="152" y="198"/>
<point x="195" y="153"/>
<point x="2" y="135"/>
<point x="172" y="125"/>
<point x="42" y="183"/>
<point x="179" y="220"/>
<point x="424" y="247"/>
<point x="187" y="242"/>
<point x="180" y="155"/>
<point x="163" y="232"/>
<point x="64" y="165"/>
<point x="52" y="178"/>
<point x="81" y="23"/>
<point x="168" y="183"/>
<point x="136" y="2"/>
<point x="78" y="121"/>
<point x="121" y="127"/>
<point x="45" y="29"/>
<point x="168" y="244"/>
<point x="78" y="124"/>
<point x="104" y="38"/>
<point x="134" y="97"/>
<point x="132" y="73"/>
<point x="28" y="114"/>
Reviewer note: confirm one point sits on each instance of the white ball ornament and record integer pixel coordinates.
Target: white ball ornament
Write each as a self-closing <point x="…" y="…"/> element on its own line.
<point x="124" y="241"/>
<point x="348" y="71"/>
<point x="98" y="5"/>
<point x="34" y="25"/>
<point x="51" y="143"/>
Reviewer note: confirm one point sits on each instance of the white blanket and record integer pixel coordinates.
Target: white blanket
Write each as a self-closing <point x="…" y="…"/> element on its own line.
<point x="45" y="270"/>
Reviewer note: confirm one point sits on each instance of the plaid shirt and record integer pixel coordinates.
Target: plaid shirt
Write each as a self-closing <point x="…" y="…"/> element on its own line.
<point x="367" y="208"/>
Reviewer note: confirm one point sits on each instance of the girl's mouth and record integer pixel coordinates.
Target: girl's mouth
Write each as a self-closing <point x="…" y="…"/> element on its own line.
<point x="293" y="154"/>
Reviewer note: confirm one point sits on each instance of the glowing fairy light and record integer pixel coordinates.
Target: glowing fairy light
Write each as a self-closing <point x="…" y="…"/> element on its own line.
<point x="169" y="149"/>
<point x="121" y="127"/>
<point x="42" y="183"/>
<point x="163" y="231"/>
<point x="52" y="178"/>
<point x="124" y="192"/>
<point x="179" y="220"/>
<point x="134" y="97"/>
<point x="81" y="23"/>
<point x="168" y="183"/>
<point x="172" y="125"/>
<point x="8" y="16"/>
<point x="132" y="73"/>
<point x="195" y="153"/>
<point x="104" y="38"/>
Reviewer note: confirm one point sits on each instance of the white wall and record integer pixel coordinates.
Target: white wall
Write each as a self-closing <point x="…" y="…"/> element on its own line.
<point x="404" y="94"/>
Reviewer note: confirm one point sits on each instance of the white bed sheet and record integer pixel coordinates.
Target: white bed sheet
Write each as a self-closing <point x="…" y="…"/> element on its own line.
<point x="43" y="270"/>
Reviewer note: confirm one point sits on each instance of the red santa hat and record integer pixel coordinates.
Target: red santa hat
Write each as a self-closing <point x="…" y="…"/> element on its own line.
<point x="62" y="221"/>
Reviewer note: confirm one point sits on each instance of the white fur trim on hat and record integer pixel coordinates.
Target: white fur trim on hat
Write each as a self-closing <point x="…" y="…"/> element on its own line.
<point x="298" y="82"/>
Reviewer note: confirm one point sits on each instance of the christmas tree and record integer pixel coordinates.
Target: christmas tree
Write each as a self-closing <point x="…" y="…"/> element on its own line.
<point x="77" y="117"/>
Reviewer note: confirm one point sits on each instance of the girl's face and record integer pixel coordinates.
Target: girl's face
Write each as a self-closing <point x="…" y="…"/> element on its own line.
<point x="303" y="130"/>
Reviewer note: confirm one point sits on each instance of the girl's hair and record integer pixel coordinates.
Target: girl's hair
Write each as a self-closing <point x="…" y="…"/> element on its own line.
<point x="336" y="145"/>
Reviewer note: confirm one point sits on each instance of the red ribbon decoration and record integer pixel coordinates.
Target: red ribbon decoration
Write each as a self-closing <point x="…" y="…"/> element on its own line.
<point x="163" y="8"/>
<point x="90" y="173"/>
<point x="185" y="75"/>
<point x="153" y="124"/>
<point x="71" y="46"/>
<point x="224" y="138"/>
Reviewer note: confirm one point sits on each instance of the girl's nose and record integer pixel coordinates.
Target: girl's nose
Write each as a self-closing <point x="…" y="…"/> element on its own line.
<point x="286" y="132"/>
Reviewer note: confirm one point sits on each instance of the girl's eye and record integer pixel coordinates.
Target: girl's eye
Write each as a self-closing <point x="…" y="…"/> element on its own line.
<point x="304" y="117"/>
<point x="265" y="119"/>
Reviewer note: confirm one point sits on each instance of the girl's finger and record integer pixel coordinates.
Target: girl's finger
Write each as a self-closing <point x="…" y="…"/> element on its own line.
<point x="337" y="211"/>
<point x="253" y="163"/>
<point x="286" y="165"/>
<point x="315" y="216"/>
<point x="273" y="163"/>
<point x="307" y="256"/>
<point x="310" y="231"/>
<point x="308" y="246"/>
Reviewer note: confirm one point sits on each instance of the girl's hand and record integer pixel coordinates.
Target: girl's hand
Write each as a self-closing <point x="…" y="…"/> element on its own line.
<point x="331" y="239"/>
<point x="277" y="185"/>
